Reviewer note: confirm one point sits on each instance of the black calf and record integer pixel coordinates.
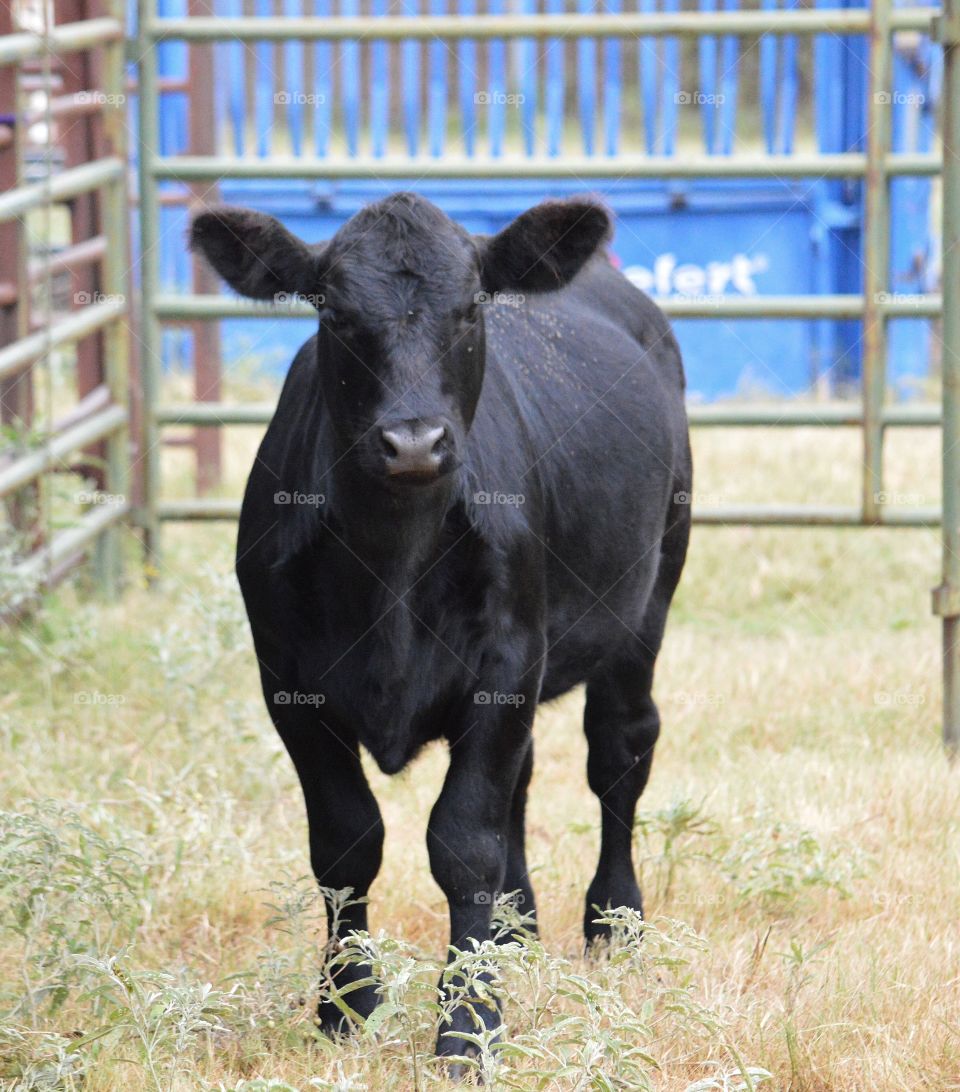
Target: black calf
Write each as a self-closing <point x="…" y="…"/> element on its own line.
<point x="490" y="442"/>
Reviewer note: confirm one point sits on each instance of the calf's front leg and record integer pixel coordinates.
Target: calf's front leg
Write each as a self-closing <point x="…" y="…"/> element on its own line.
<point x="346" y="845"/>
<point x="467" y="837"/>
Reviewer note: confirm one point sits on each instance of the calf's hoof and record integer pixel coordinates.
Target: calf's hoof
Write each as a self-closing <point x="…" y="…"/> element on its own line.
<point x="471" y="1017"/>
<point x="597" y="934"/>
<point x="333" y="1021"/>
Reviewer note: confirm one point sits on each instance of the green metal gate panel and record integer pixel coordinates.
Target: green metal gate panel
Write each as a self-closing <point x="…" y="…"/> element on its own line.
<point x="40" y="447"/>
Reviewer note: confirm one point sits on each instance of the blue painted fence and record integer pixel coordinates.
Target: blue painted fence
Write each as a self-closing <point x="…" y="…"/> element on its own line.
<point x="597" y="98"/>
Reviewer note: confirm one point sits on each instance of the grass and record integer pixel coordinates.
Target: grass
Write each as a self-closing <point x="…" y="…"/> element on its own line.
<point x="798" y="843"/>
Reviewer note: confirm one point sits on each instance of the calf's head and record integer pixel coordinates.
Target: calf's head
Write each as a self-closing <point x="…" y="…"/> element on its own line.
<point x="400" y="290"/>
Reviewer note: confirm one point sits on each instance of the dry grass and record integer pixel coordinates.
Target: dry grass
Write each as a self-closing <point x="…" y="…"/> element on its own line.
<point x="801" y="820"/>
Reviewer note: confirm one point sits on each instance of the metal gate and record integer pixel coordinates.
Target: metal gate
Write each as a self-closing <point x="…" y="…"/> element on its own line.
<point x="63" y="154"/>
<point x="876" y="167"/>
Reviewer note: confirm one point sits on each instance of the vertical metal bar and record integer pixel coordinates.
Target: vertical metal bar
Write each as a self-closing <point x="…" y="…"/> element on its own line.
<point x="528" y="71"/>
<point x="467" y="76"/>
<point x="707" y="84"/>
<point x="947" y="596"/>
<point x="554" y="93"/>
<point x="323" y="62"/>
<point x="410" y="82"/>
<point x="612" y="82"/>
<point x="17" y="392"/>
<point x="437" y="88"/>
<point x="497" y="86"/>
<point x="876" y="255"/>
<point x="202" y="129"/>
<point x="379" y="83"/>
<point x="150" y="362"/>
<point x="587" y="83"/>
<point x="350" y="82"/>
<point x="116" y="265"/>
<point x="82" y="143"/>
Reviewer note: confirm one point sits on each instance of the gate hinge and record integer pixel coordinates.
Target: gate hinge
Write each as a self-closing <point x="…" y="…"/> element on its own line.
<point x="946" y="27"/>
<point x="946" y="601"/>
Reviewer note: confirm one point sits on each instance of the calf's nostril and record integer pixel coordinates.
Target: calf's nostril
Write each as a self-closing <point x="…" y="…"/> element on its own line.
<point x="391" y="443"/>
<point x="434" y="439"/>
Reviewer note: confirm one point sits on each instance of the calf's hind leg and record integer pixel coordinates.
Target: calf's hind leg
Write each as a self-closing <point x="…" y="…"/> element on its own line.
<point x="622" y="724"/>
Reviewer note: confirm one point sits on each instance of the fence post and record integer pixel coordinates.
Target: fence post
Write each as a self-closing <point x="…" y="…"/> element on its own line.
<point x="207" y="372"/>
<point x="946" y="598"/>
<point x="150" y="354"/>
<point x="876" y="255"/>
<point x="115" y="224"/>
<point x="16" y="393"/>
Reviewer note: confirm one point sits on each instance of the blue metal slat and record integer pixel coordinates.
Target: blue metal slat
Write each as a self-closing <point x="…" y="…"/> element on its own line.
<point x="350" y="82"/>
<point x="410" y="83"/>
<point x="467" y="81"/>
<point x="728" y="87"/>
<point x="587" y="84"/>
<point x="263" y="90"/>
<point x="670" y="82"/>
<point x="648" y="61"/>
<point x="612" y="81"/>
<point x="768" y="84"/>
<point x="379" y="87"/>
<point x="437" y="87"/>
<point x="230" y="68"/>
<point x="555" y="85"/>
<point x="787" y="114"/>
<point x="528" y="62"/>
<point x="707" y="49"/>
<point x="323" y="61"/>
<point x="496" y="94"/>
<point x="294" y="84"/>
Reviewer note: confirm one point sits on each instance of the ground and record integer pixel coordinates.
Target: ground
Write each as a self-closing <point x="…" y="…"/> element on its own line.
<point x="798" y="843"/>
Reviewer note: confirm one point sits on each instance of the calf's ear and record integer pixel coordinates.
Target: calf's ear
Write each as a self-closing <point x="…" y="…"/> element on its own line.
<point x="545" y="247"/>
<point x="254" y="253"/>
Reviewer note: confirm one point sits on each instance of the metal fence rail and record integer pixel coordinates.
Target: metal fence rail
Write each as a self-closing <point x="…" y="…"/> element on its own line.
<point x="875" y="306"/>
<point x="36" y="447"/>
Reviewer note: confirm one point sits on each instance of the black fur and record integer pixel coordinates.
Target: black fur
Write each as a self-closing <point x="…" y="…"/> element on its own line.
<point x="543" y="555"/>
